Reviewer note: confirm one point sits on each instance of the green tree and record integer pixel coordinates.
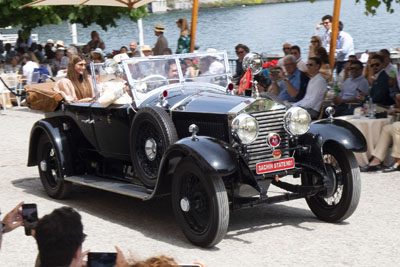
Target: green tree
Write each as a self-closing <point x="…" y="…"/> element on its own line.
<point x="372" y="5"/>
<point x="32" y="17"/>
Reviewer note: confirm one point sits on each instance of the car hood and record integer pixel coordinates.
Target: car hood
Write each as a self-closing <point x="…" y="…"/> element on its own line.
<point x="209" y="100"/>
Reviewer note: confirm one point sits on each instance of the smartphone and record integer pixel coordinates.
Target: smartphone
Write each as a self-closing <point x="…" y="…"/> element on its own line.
<point x="101" y="259"/>
<point x="30" y="217"/>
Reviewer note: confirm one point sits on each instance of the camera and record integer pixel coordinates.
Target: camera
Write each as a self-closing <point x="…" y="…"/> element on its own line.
<point x="30" y="217"/>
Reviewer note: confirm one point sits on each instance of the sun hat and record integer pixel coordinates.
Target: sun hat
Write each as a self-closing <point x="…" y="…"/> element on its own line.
<point x="98" y="51"/>
<point x="211" y="50"/>
<point x="159" y="28"/>
<point x="145" y="48"/>
<point x="50" y="41"/>
<point x="60" y="43"/>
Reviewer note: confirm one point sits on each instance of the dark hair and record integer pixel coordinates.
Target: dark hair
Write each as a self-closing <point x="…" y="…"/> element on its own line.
<point x="167" y="50"/>
<point x="322" y="54"/>
<point x="327" y="17"/>
<point x="357" y="62"/>
<point x="244" y="47"/>
<point x="206" y="60"/>
<point x="168" y="65"/>
<point x="384" y="53"/>
<point x="341" y="26"/>
<point x="378" y="57"/>
<point x="353" y="56"/>
<point x="295" y="47"/>
<point x="58" y="236"/>
<point x="316" y="60"/>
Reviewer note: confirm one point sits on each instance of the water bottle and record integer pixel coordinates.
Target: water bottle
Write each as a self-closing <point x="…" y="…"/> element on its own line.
<point x="371" y="108"/>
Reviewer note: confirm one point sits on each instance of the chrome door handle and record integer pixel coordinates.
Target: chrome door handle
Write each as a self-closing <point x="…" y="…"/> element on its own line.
<point x="88" y="121"/>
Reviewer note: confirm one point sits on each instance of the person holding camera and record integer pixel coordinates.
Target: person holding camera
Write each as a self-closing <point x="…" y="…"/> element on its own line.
<point x="290" y="87"/>
<point x="11" y="221"/>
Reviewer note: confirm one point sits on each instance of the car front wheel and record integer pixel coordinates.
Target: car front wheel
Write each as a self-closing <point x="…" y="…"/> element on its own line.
<point x="342" y="164"/>
<point x="200" y="204"/>
<point x="51" y="174"/>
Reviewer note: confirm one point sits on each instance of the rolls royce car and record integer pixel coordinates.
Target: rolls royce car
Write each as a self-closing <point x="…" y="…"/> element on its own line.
<point x="185" y="135"/>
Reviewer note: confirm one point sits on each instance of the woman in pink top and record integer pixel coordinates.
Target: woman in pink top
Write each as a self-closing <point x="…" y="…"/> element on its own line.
<point x="76" y="87"/>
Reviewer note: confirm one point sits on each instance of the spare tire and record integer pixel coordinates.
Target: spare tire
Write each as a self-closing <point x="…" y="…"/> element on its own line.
<point x="152" y="132"/>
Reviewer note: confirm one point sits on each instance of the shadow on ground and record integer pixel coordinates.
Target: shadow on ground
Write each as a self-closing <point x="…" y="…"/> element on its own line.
<point x="155" y="218"/>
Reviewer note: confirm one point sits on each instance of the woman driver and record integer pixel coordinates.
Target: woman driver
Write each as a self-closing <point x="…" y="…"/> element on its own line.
<point x="76" y="87"/>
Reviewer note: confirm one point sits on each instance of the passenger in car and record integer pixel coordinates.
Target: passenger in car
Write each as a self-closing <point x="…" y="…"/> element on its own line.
<point x="76" y="87"/>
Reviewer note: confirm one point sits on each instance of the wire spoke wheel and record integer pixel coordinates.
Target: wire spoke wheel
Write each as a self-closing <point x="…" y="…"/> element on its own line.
<point x="51" y="174"/>
<point x="200" y="204"/>
<point x="341" y="204"/>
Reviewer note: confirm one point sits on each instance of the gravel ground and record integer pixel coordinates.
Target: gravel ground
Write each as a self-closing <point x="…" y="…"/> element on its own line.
<point x="277" y="235"/>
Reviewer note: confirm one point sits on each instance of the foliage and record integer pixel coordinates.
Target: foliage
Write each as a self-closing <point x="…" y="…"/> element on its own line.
<point x="31" y="17"/>
<point x="372" y="5"/>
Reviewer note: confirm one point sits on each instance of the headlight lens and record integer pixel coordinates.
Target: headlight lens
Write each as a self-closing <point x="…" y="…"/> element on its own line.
<point x="297" y="121"/>
<point x="245" y="127"/>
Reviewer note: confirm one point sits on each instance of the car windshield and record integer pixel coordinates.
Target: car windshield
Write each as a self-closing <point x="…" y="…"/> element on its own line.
<point x="147" y="74"/>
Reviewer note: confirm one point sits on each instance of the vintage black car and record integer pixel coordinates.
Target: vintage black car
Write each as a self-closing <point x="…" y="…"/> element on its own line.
<point x="188" y="136"/>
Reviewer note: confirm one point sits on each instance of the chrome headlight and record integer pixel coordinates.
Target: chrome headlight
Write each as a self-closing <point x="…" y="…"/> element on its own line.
<point x="297" y="121"/>
<point x="245" y="127"/>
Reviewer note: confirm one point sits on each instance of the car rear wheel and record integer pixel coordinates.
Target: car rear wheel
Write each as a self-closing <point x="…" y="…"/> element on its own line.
<point x="51" y="174"/>
<point x="200" y="204"/>
<point x="152" y="132"/>
<point x="342" y="164"/>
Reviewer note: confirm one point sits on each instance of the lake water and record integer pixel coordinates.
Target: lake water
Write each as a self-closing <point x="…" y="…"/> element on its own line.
<point x="263" y="27"/>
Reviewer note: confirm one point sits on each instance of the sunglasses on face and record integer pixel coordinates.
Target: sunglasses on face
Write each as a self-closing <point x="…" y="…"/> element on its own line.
<point x="240" y="52"/>
<point x="286" y="48"/>
<point x="326" y="22"/>
<point x="313" y="41"/>
<point x="375" y="65"/>
<point x="354" y="68"/>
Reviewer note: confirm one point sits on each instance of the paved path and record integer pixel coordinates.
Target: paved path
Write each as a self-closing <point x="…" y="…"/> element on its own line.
<point x="278" y="235"/>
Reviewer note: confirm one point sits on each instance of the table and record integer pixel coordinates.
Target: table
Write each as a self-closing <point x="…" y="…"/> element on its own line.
<point x="371" y="129"/>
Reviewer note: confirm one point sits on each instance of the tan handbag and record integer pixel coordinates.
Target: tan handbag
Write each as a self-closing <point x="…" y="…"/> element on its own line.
<point x="41" y="96"/>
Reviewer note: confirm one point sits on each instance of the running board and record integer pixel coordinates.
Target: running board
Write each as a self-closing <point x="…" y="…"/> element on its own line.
<point x="111" y="185"/>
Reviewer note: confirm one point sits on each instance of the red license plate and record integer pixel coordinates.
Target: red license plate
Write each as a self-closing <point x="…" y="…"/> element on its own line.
<point x="276" y="165"/>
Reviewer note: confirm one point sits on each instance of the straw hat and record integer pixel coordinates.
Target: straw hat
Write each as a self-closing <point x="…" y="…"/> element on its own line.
<point x="50" y="41"/>
<point x="98" y="51"/>
<point x="159" y="28"/>
<point x="60" y="43"/>
<point x="146" y="48"/>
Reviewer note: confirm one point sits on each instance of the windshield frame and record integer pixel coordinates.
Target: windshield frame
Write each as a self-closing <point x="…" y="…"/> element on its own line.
<point x="140" y="97"/>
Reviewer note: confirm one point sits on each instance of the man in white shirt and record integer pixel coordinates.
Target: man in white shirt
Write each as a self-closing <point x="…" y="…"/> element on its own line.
<point x="301" y="64"/>
<point x="29" y="66"/>
<point x="316" y="89"/>
<point x="326" y="36"/>
<point x="390" y="69"/>
<point x="344" y="48"/>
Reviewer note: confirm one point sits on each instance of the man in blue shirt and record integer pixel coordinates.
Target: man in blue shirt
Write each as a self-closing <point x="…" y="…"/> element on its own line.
<point x="353" y="91"/>
<point x="292" y="86"/>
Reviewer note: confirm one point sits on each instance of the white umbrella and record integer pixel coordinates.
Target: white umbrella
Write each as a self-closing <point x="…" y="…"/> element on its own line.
<point x="131" y="4"/>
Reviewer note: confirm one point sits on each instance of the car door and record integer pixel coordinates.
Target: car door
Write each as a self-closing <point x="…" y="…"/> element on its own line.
<point x="111" y="127"/>
<point x="81" y="115"/>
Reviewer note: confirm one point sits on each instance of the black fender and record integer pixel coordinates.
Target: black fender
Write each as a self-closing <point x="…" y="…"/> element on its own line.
<point x="211" y="154"/>
<point x="340" y="131"/>
<point x="53" y="128"/>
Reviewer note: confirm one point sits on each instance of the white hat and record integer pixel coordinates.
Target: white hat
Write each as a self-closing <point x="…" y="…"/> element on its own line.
<point x="211" y="50"/>
<point x="50" y="41"/>
<point x="98" y="51"/>
<point x="159" y="28"/>
<point x="60" y="43"/>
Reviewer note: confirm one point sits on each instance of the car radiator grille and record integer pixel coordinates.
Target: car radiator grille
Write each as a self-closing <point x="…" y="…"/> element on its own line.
<point x="268" y="122"/>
